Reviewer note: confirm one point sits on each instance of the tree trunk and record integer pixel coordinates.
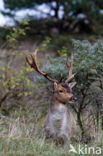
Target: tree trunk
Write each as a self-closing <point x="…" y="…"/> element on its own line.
<point x="56" y="10"/>
<point x="80" y="124"/>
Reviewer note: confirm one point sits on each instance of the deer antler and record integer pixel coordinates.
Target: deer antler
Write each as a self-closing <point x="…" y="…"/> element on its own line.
<point x="34" y="65"/>
<point x="70" y="68"/>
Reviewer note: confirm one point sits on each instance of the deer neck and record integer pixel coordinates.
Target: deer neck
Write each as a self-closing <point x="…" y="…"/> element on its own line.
<point x="57" y="106"/>
<point x="56" y="102"/>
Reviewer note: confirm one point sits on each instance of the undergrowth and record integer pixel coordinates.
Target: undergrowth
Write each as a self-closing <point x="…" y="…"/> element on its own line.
<point x="22" y="134"/>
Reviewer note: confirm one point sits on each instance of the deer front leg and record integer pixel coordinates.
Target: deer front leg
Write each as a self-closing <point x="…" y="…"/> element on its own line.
<point x="49" y="127"/>
<point x="65" y="130"/>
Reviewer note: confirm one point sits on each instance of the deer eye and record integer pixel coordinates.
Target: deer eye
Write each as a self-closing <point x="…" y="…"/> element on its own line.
<point x="60" y="91"/>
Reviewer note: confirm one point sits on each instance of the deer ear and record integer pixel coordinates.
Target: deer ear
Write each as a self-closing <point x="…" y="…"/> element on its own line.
<point x="72" y="84"/>
<point x="55" y="85"/>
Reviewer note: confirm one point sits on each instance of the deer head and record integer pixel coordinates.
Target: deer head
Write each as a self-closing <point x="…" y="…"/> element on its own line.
<point x="62" y="91"/>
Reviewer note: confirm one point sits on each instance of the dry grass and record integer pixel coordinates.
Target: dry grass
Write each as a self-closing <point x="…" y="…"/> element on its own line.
<point x="21" y="134"/>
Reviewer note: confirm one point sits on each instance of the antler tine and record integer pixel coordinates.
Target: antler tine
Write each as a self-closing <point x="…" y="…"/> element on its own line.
<point x="34" y="65"/>
<point x="70" y="68"/>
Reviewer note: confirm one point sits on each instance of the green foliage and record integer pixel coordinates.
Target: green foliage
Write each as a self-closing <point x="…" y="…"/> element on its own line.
<point x="90" y="7"/>
<point x="12" y="38"/>
<point x="61" y="44"/>
<point x="14" y="82"/>
<point x="16" y="34"/>
<point x="88" y="61"/>
<point x="4" y="31"/>
<point x="89" y="56"/>
<point x="46" y="42"/>
<point x="18" y="4"/>
<point x="63" y="51"/>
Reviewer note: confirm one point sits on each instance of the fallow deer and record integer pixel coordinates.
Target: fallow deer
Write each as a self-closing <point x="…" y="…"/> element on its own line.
<point x="60" y="122"/>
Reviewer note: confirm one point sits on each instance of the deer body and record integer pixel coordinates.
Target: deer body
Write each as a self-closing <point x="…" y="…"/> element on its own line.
<point x="59" y="121"/>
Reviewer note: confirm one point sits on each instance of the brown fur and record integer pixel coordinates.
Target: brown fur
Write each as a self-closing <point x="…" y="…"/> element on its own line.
<point x="60" y="122"/>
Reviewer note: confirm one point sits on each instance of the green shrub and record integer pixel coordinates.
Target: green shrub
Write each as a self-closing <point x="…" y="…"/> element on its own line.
<point x="88" y="62"/>
<point x="14" y="85"/>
